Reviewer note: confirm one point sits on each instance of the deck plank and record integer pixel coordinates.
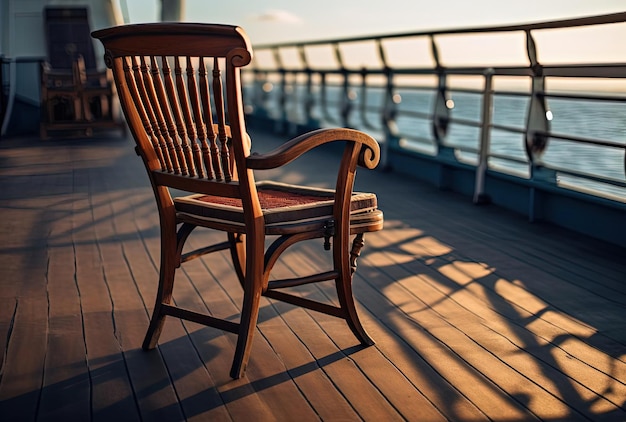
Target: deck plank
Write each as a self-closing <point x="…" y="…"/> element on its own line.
<point x="23" y="366"/>
<point x="374" y="365"/>
<point x="66" y="387"/>
<point x="112" y="393"/>
<point x="476" y="313"/>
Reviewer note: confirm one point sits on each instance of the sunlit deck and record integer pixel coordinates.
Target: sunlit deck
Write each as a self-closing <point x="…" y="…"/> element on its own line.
<point x="477" y="314"/>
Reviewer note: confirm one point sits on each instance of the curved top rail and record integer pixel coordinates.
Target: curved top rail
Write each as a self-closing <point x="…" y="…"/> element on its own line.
<point x="164" y="38"/>
<point x="564" y="23"/>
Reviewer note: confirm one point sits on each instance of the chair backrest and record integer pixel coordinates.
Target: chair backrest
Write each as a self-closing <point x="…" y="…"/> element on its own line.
<point x="68" y="36"/>
<point x="179" y="87"/>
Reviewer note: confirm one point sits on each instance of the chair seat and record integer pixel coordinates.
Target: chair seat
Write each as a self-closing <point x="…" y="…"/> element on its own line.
<point x="284" y="207"/>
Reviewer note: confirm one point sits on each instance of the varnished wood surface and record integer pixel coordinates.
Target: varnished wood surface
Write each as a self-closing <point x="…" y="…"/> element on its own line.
<point x="476" y="314"/>
<point x="169" y="114"/>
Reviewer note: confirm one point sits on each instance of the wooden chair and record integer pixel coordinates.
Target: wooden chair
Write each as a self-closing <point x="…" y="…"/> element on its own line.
<point x="75" y="95"/>
<point x="179" y="87"/>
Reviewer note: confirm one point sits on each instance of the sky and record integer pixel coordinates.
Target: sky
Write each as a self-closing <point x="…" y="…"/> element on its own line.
<point x="275" y="21"/>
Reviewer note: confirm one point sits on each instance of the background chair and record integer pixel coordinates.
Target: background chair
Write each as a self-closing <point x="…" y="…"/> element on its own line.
<point x="179" y="87"/>
<point x="75" y="95"/>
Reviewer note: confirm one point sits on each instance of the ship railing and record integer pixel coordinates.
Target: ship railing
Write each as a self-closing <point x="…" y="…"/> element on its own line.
<point x="513" y="111"/>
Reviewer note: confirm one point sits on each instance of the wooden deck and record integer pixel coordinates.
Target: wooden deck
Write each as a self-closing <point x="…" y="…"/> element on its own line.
<point x="477" y="314"/>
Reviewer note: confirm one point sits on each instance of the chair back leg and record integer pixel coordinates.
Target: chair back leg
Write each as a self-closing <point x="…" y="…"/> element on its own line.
<point x="170" y="259"/>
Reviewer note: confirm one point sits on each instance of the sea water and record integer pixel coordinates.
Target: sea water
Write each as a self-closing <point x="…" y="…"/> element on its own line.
<point x="597" y="120"/>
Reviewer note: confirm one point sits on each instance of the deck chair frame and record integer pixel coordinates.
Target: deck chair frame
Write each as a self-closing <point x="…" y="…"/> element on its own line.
<point x="180" y="89"/>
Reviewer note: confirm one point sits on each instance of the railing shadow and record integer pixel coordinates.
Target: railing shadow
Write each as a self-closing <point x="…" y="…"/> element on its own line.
<point x="550" y="344"/>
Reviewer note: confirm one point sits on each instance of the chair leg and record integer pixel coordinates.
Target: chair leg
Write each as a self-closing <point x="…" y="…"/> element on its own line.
<point x="164" y="292"/>
<point x="252" y="289"/>
<point x="247" y="326"/>
<point x="345" y="295"/>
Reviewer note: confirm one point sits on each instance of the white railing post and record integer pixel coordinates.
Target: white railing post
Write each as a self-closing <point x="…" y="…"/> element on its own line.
<point x="480" y="197"/>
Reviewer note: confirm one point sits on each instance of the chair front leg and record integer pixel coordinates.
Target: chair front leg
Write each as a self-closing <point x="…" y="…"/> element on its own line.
<point x="247" y="326"/>
<point x="252" y="290"/>
<point x="344" y="290"/>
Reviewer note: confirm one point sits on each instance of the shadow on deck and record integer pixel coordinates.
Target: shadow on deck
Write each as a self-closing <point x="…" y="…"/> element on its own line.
<point x="476" y="314"/>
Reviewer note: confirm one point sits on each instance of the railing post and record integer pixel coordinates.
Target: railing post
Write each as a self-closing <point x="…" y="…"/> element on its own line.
<point x="326" y="115"/>
<point x="389" y="110"/>
<point x="324" y="98"/>
<point x="308" y="101"/>
<point x="281" y="123"/>
<point x="441" y="117"/>
<point x="388" y="120"/>
<point x="282" y="102"/>
<point x="537" y="127"/>
<point x="363" y="100"/>
<point x="346" y="100"/>
<point x="260" y="94"/>
<point x="537" y="123"/>
<point x="441" y="111"/>
<point x="480" y="197"/>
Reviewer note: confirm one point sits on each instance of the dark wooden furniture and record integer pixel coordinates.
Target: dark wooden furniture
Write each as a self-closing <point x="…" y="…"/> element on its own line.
<point x="75" y="95"/>
<point x="179" y="87"/>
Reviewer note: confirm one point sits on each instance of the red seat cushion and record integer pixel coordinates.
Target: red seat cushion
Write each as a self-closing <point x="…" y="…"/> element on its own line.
<point x="281" y="203"/>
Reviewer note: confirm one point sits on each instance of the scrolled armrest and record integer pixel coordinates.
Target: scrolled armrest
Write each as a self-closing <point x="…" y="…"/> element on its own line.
<point x="294" y="148"/>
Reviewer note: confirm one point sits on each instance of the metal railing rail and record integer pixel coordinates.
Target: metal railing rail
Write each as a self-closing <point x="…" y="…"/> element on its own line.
<point x="366" y="97"/>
